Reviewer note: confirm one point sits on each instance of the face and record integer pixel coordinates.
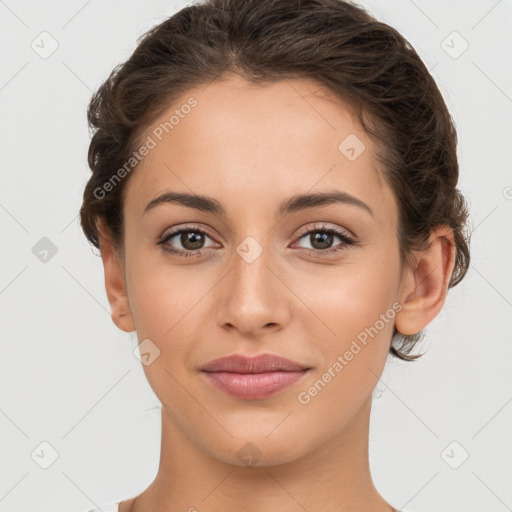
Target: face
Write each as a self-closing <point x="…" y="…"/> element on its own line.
<point x="316" y="282"/>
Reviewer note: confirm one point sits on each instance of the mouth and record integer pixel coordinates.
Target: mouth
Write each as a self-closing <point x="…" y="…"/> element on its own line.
<point x="253" y="378"/>
<point x="254" y="386"/>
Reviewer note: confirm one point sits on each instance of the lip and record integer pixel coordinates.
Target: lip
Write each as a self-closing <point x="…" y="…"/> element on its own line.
<point x="262" y="363"/>
<point x="253" y="378"/>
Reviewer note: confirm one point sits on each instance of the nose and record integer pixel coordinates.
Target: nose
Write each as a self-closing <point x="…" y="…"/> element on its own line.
<point x="253" y="298"/>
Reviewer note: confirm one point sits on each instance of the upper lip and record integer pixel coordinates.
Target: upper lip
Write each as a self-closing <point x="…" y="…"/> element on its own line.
<point x="262" y="363"/>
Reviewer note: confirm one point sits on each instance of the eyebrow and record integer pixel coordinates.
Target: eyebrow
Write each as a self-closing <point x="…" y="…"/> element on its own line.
<point x="293" y="204"/>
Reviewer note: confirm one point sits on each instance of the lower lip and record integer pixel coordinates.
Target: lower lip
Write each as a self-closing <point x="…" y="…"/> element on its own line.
<point x="253" y="386"/>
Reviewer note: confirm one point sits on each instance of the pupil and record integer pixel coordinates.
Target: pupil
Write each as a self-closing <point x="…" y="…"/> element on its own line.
<point x="191" y="240"/>
<point x="324" y="238"/>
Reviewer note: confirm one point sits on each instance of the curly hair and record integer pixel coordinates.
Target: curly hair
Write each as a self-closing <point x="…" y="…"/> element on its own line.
<point x="338" y="44"/>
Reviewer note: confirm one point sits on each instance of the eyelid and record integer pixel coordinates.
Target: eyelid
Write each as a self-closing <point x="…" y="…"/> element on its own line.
<point x="323" y="226"/>
<point x="186" y="227"/>
<point x="319" y="226"/>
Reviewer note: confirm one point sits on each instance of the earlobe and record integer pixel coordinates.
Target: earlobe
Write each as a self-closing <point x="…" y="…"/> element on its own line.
<point x="115" y="281"/>
<point x="425" y="286"/>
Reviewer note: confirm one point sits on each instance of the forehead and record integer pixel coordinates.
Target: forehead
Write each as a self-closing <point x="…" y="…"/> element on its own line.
<point x="243" y="142"/>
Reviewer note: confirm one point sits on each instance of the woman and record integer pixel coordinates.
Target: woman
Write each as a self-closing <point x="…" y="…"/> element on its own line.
<point x="273" y="193"/>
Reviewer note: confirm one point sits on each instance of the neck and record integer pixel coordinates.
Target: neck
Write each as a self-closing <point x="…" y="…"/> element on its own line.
<point x="335" y="476"/>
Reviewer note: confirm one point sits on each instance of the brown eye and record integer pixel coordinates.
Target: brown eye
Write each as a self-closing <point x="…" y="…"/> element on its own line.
<point x="321" y="239"/>
<point x="185" y="241"/>
<point x="191" y="240"/>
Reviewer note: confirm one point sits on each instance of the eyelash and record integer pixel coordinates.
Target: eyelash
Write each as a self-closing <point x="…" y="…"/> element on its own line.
<point x="347" y="241"/>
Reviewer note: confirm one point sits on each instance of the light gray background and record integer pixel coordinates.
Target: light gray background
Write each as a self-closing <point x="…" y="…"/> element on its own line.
<point x="68" y="375"/>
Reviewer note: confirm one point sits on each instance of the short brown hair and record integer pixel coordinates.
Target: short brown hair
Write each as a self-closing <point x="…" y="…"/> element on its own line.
<point x="342" y="46"/>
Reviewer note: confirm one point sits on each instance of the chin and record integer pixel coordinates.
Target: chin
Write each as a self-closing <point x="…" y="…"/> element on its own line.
<point x="259" y="450"/>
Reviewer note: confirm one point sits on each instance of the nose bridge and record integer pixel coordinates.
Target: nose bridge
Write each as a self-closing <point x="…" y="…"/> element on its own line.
<point x="251" y="277"/>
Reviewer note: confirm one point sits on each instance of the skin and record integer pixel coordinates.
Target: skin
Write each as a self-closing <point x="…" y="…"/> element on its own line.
<point x="250" y="147"/>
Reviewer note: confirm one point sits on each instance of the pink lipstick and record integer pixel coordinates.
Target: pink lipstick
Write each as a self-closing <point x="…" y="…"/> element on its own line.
<point x="253" y="378"/>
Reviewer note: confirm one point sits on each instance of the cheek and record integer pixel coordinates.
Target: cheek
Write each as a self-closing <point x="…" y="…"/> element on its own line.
<point x="169" y="307"/>
<point x="164" y="298"/>
<point x="351" y="296"/>
<point x="359" y="311"/>
<point x="355" y="302"/>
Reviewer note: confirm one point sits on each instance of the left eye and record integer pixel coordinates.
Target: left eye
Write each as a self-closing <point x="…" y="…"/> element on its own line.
<point x="321" y="237"/>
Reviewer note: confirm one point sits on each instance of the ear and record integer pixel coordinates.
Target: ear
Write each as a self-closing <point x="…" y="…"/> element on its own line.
<point x="114" y="281"/>
<point x="425" y="286"/>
